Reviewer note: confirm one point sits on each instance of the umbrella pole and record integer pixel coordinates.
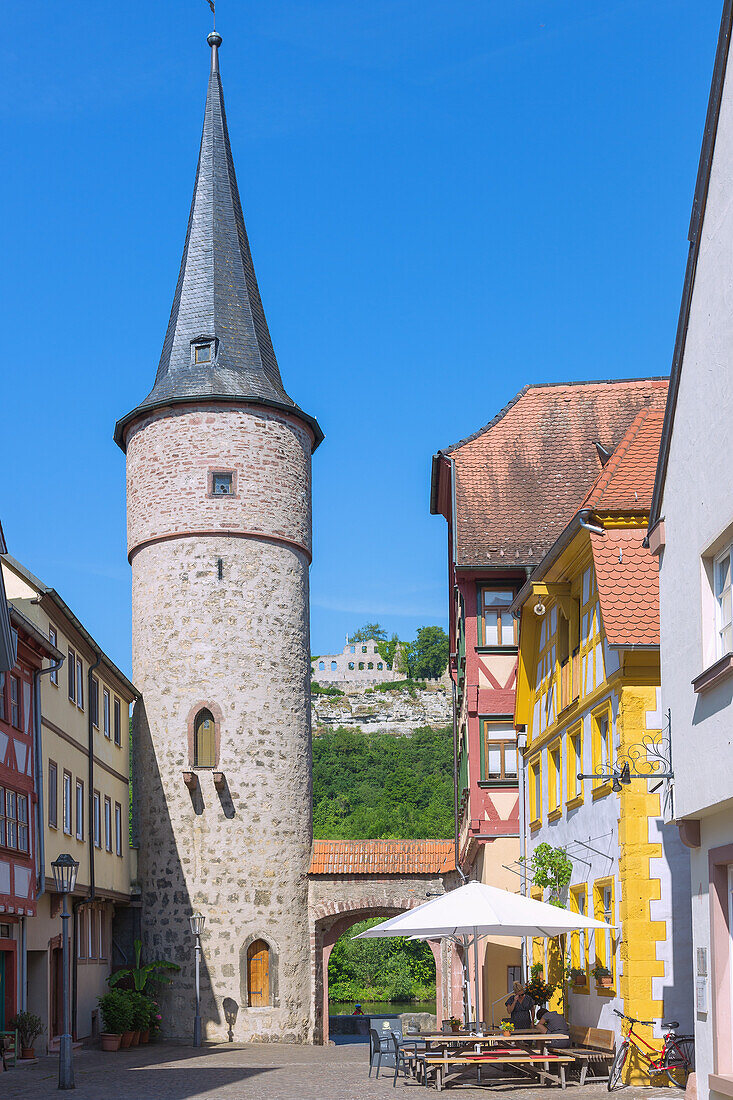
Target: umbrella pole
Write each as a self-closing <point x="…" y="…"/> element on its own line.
<point x="477" y="978"/>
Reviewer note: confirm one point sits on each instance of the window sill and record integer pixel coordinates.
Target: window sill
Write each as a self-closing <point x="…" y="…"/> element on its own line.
<point x="554" y="815"/>
<point x="535" y="825"/>
<point x="573" y="803"/>
<point x="605" y="990"/>
<point x="721" y="1082"/>
<point x="602" y="791"/>
<point x="497" y="649"/>
<point x="713" y="675"/>
<point x="484" y="783"/>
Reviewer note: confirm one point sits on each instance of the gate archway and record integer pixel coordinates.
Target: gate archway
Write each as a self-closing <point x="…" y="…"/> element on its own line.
<point x="354" y="880"/>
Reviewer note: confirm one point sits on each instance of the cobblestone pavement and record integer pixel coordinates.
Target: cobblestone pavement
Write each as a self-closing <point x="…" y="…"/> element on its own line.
<point x="170" y="1071"/>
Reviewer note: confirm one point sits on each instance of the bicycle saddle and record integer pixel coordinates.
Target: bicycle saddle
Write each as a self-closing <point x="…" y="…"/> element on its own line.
<point x="671" y="1025"/>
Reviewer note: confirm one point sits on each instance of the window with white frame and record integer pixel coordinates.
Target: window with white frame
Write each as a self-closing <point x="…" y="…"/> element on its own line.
<point x="53" y="638"/>
<point x="79" y="683"/>
<point x="105" y="711"/>
<point x="499" y="749"/>
<point x="722" y="591"/>
<point x="108" y="824"/>
<point x="79" y="810"/>
<point x="497" y="625"/>
<point x="97" y="820"/>
<point x="118" y="828"/>
<point x="67" y="803"/>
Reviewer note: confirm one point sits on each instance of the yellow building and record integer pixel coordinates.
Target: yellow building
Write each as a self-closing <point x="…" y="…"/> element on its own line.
<point x="587" y="695"/>
<point x="84" y="798"/>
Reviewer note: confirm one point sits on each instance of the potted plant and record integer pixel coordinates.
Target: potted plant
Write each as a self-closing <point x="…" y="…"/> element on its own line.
<point x="455" y="1024"/>
<point x="29" y="1027"/>
<point x="507" y="1027"/>
<point x="140" y="1015"/>
<point x="602" y="976"/>
<point x="116" y="1020"/>
<point x="578" y="975"/>
<point x="538" y="989"/>
<point x="142" y="977"/>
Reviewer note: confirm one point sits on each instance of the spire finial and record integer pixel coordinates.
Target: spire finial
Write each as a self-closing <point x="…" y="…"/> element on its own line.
<point x="214" y="40"/>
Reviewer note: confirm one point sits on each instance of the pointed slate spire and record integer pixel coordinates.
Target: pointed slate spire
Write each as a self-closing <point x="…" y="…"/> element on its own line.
<point x="218" y="345"/>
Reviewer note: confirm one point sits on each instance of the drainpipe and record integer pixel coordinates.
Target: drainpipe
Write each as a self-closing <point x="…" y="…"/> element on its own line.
<point x="90" y="793"/>
<point x="521" y="746"/>
<point x="23" y="967"/>
<point x="583" y="516"/>
<point x="38" y="776"/>
<point x="90" y="836"/>
<point x="455" y="781"/>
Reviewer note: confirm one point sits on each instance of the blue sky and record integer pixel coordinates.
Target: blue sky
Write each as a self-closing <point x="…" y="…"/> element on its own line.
<point x="445" y="201"/>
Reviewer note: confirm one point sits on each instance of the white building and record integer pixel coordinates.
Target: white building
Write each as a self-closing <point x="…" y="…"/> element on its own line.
<point x="358" y="663"/>
<point x="691" y="531"/>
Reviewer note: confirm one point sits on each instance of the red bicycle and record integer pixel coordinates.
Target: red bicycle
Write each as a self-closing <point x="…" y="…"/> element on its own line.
<point x="676" y="1058"/>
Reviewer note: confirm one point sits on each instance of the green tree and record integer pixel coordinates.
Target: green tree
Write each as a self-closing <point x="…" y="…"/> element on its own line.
<point x="388" y="650"/>
<point x="427" y="657"/>
<point x="367" y="631"/>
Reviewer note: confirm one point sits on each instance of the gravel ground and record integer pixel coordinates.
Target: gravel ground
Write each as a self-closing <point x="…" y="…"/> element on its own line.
<point x="171" y="1071"/>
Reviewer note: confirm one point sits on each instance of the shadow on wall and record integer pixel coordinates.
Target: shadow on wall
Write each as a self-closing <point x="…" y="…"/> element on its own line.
<point x="164" y="889"/>
<point x="678" y="993"/>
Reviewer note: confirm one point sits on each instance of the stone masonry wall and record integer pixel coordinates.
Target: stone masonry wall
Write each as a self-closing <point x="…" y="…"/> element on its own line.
<point x="170" y="456"/>
<point x="238" y="645"/>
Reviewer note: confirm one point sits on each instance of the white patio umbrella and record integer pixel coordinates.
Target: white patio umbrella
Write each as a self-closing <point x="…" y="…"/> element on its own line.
<point x="477" y="909"/>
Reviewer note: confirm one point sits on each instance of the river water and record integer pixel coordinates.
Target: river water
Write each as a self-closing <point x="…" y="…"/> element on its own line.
<point x="380" y="1008"/>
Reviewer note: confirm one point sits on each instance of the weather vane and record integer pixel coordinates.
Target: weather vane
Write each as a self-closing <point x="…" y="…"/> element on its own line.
<point x="212" y="5"/>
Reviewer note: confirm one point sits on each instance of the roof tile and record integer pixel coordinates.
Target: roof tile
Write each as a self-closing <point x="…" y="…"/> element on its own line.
<point x="382" y="857"/>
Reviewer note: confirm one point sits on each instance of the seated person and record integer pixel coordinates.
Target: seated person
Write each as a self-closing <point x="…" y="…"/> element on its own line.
<point x="519" y="1007"/>
<point x="357" y="1011"/>
<point x="553" y="1024"/>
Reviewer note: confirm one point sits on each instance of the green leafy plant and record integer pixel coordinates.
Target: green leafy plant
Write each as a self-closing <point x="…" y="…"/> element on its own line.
<point x="29" y="1027"/>
<point x="116" y="1009"/>
<point x="143" y="976"/>
<point x="319" y="689"/>
<point x="576" y="975"/>
<point x="141" y="1007"/>
<point x="538" y="989"/>
<point x="551" y="869"/>
<point x="599" y="971"/>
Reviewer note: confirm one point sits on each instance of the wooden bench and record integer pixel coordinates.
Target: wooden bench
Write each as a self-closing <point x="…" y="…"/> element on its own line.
<point x="538" y="1063"/>
<point x="593" y="1049"/>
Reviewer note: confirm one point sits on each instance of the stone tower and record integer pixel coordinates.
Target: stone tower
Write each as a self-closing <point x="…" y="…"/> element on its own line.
<point x="219" y="539"/>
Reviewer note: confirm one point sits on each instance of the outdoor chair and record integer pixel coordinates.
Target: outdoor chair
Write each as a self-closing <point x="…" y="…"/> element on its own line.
<point x="378" y="1045"/>
<point x="400" y="1059"/>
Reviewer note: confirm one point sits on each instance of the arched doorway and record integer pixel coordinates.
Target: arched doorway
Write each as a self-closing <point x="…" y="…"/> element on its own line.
<point x="258" y="974"/>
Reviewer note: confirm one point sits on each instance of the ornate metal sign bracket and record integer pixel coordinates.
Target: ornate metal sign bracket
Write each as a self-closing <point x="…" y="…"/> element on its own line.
<point x="651" y="759"/>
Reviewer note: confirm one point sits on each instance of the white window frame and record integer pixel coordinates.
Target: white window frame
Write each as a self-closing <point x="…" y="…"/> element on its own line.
<point x="106" y="710"/>
<point x="118" y="828"/>
<point x="79" y="805"/>
<point x="53" y="639"/>
<point x="79" y="683"/>
<point x="67" y="808"/>
<point x="720" y="625"/>
<point x="107" y="823"/>
<point x="97" y="820"/>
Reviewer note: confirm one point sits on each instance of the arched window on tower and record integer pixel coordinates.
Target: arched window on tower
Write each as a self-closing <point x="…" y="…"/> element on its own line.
<point x="258" y="974"/>
<point x="204" y="740"/>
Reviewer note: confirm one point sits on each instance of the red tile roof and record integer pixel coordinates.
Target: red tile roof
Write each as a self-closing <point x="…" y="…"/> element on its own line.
<point x="626" y="482"/>
<point x="628" y="586"/>
<point x="382" y="857"/>
<point x="521" y="477"/>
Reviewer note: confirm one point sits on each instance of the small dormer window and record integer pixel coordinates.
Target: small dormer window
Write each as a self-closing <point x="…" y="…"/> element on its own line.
<point x="202" y="353"/>
<point x="222" y="485"/>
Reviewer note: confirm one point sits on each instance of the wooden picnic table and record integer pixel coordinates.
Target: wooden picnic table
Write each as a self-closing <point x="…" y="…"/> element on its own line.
<point x="516" y="1051"/>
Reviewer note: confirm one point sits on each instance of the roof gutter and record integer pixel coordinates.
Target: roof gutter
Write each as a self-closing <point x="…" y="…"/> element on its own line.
<point x="560" y="543"/>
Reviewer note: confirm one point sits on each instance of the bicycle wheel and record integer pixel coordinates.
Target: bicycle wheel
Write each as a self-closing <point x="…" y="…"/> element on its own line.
<point x="617" y="1066"/>
<point x="679" y="1061"/>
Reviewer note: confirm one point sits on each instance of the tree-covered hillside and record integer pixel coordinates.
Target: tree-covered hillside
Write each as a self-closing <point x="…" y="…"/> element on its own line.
<point x="374" y="785"/>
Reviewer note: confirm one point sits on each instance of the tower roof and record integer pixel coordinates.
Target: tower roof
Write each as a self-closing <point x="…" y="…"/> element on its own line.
<point x="218" y="345"/>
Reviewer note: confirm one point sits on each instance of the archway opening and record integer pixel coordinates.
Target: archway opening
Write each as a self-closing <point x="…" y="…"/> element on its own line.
<point x="382" y="975"/>
<point x="204" y="740"/>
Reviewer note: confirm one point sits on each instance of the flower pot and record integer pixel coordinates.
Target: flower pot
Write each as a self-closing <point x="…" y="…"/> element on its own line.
<point x="455" y="1028"/>
<point x="605" y="983"/>
<point x="110" y="1040"/>
<point x="125" y="1040"/>
<point x="145" y="1035"/>
<point x="26" y="1053"/>
<point x="135" y="1037"/>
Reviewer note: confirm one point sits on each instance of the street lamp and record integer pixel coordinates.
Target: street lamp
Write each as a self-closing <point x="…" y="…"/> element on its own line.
<point x="197" y="920"/>
<point x="64" y="877"/>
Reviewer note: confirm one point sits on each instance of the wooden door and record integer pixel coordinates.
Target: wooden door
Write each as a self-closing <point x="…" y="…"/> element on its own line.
<point x="258" y="973"/>
<point x="57" y="992"/>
